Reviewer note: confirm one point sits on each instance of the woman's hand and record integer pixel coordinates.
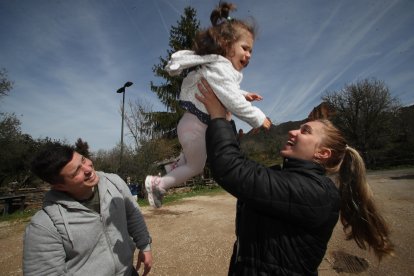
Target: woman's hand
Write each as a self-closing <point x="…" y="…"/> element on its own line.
<point x="210" y="100"/>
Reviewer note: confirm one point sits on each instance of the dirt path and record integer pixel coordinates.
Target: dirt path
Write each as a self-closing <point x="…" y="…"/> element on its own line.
<point x="195" y="236"/>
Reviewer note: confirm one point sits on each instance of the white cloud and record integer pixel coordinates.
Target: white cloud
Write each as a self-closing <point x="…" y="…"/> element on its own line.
<point x="67" y="58"/>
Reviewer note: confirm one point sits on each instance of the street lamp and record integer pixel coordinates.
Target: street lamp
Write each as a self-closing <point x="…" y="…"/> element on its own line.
<point x="122" y="90"/>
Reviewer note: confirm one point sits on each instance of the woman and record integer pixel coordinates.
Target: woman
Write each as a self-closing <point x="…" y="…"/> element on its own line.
<point x="285" y="217"/>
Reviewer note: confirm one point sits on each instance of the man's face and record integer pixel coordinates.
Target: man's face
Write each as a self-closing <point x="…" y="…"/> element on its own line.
<point x="241" y="51"/>
<point x="78" y="175"/>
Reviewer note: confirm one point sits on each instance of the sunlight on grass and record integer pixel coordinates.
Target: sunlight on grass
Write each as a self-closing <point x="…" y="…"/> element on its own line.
<point x="197" y="190"/>
<point x="19" y="215"/>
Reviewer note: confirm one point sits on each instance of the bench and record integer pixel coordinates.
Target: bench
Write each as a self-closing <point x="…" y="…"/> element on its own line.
<point x="12" y="200"/>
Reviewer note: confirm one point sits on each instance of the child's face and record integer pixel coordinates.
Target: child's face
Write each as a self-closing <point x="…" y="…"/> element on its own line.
<point x="240" y="52"/>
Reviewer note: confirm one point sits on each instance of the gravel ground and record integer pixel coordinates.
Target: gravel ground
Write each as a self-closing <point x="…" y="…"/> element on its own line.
<point x="195" y="235"/>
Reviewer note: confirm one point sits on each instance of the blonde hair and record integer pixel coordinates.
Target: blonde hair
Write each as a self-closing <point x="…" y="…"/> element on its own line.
<point x="359" y="215"/>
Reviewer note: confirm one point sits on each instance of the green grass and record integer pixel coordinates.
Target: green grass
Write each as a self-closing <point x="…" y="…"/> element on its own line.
<point x="19" y="215"/>
<point x="196" y="190"/>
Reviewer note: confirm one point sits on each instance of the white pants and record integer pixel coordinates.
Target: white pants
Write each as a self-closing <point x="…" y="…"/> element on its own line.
<point x="191" y="134"/>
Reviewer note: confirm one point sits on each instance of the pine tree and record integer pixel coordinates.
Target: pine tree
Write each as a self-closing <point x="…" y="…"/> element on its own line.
<point x="181" y="38"/>
<point x="82" y="147"/>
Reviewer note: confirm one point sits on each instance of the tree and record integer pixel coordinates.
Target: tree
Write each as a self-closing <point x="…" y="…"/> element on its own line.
<point x="135" y="120"/>
<point x="5" y="84"/>
<point x="364" y="111"/>
<point x="181" y="37"/>
<point x="15" y="147"/>
<point x="151" y="152"/>
<point x="15" y="151"/>
<point x="82" y="147"/>
<point x="106" y="160"/>
<point x="9" y="134"/>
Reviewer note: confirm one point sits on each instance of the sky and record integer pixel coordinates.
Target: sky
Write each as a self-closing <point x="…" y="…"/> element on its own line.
<point x="68" y="58"/>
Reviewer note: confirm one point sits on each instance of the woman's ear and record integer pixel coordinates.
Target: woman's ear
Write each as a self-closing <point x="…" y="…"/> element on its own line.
<point x="323" y="153"/>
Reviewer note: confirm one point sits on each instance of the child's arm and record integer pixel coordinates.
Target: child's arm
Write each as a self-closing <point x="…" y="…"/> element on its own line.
<point x="225" y="82"/>
<point x="267" y="123"/>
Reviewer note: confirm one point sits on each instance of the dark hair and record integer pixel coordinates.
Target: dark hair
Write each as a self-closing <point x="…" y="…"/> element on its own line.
<point x="223" y="33"/>
<point x="360" y="216"/>
<point x="50" y="160"/>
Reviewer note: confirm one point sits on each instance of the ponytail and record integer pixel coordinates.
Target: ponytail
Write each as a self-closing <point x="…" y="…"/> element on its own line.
<point x="223" y="32"/>
<point x="359" y="214"/>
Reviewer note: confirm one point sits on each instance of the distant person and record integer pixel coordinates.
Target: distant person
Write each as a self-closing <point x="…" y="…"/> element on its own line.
<point x="285" y="217"/>
<point x="220" y="53"/>
<point x="89" y="225"/>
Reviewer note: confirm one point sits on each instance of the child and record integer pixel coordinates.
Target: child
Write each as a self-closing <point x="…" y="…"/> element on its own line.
<point x="220" y="53"/>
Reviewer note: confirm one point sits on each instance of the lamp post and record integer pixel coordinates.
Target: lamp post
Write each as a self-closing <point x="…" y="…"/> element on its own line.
<point x="122" y="90"/>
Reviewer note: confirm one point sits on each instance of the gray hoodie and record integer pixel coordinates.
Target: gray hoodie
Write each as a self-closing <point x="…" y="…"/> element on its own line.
<point x="66" y="238"/>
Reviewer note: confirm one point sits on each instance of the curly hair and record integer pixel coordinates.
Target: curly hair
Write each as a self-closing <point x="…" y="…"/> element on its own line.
<point x="224" y="32"/>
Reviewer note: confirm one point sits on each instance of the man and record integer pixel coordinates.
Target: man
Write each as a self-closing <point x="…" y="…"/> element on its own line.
<point x="89" y="225"/>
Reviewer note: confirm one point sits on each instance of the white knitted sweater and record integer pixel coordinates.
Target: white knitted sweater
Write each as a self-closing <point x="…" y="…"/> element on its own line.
<point x="223" y="79"/>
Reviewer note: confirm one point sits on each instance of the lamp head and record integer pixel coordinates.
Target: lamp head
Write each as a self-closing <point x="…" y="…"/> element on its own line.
<point x="122" y="89"/>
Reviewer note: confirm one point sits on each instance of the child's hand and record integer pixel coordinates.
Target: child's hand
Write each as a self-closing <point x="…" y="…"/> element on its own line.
<point x="253" y="97"/>
<point x="267" y="123"/>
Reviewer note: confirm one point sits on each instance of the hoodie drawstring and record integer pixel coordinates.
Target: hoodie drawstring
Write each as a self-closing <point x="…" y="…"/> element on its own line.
<point x="65" y="222"/>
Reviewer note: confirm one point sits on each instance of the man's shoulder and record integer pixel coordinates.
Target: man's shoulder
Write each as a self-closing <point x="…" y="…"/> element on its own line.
<point x="112" y="177"/>
<point x="42" y="218"/>
<point x="108" y="180"/>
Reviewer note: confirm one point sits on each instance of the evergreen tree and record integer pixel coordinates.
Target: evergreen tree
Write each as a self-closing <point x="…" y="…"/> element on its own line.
<point x="181" y="37"/>
<point x="82" y="147"/>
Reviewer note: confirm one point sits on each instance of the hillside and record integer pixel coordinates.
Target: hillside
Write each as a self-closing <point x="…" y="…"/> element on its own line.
<point x="265" y="146"/>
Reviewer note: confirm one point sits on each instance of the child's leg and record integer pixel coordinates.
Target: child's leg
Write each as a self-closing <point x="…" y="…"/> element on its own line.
<point x="180" y="161"/>
<point x="191" y="134"/>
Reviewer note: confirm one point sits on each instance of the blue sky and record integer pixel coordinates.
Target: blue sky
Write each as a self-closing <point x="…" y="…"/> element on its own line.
<point x="67" y="58"/>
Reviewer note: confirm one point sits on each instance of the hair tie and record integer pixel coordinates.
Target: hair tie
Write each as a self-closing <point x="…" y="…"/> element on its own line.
<point x="224" y="20"/>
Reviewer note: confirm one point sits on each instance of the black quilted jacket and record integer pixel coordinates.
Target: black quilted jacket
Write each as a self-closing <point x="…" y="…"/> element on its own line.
<point x="284" y="218"/>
